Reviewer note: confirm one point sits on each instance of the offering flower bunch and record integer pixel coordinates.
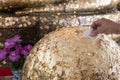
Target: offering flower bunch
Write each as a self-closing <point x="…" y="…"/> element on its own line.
<point x="14" y="52"/>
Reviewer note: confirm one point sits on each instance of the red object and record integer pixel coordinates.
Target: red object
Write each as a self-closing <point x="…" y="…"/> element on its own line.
<point x="4" y="71"/>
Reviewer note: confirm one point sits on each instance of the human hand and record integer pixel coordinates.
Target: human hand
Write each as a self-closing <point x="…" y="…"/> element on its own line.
<point x="105" y="26"/>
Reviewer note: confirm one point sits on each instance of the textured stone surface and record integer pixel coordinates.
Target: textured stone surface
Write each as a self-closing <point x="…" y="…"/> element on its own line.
<point x="43" y="23"/>
<point x="84" y="6"/>
<point x="12" y="21"/>
<point x="67" y="54"/>
<point x="75" y="19"/>
<point x="116" y="37"/>
<point x="49" y="22"/>
<point x="11" y="5"/>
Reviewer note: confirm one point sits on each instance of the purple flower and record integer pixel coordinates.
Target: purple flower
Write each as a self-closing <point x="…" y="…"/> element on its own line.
<point x="3" y="54"/>
<point x="25" y="50"/>
<point x="16" y="38"/>
<point x="19" y="48"/>
<point x="28" y="47"/>
<point x="7" y="50"/>
<point x="14" y="56"/>
<point x="11" y="42"/>
<point x="14" y="51"/>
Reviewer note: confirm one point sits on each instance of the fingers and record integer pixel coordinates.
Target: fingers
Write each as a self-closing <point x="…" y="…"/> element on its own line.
<point x="97" y="27"/>
<point x="97" y="31"/>
<point x="96" y="24"/>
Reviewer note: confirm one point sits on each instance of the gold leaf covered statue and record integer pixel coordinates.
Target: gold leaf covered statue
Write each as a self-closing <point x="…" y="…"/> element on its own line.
<point x="67" y="54"/>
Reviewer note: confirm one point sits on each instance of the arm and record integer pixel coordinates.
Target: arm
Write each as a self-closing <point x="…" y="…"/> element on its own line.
<point x="105" y="26"/>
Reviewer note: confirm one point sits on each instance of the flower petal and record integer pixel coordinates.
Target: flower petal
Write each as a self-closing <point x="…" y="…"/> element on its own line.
<point x="14" y="56"/>
<point x="2" y="54"/>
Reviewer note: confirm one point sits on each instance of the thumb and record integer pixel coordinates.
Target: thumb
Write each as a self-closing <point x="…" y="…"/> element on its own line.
<point x="96" y="31"/>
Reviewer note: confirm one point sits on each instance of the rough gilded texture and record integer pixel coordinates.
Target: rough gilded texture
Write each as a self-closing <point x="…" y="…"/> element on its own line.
<point x="67" y="54"/>
<point x="12" y="21"/>
<point x="49" y="22"/>
<point x="11" y="5"/>
<point x="116" y="37"/>
<point x="89" y="6"/>
<point x="43" y="23"/>
<point x="59" y="19"/>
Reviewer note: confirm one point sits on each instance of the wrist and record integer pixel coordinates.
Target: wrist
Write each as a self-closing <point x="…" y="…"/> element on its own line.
<point x="117" y="31"/>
